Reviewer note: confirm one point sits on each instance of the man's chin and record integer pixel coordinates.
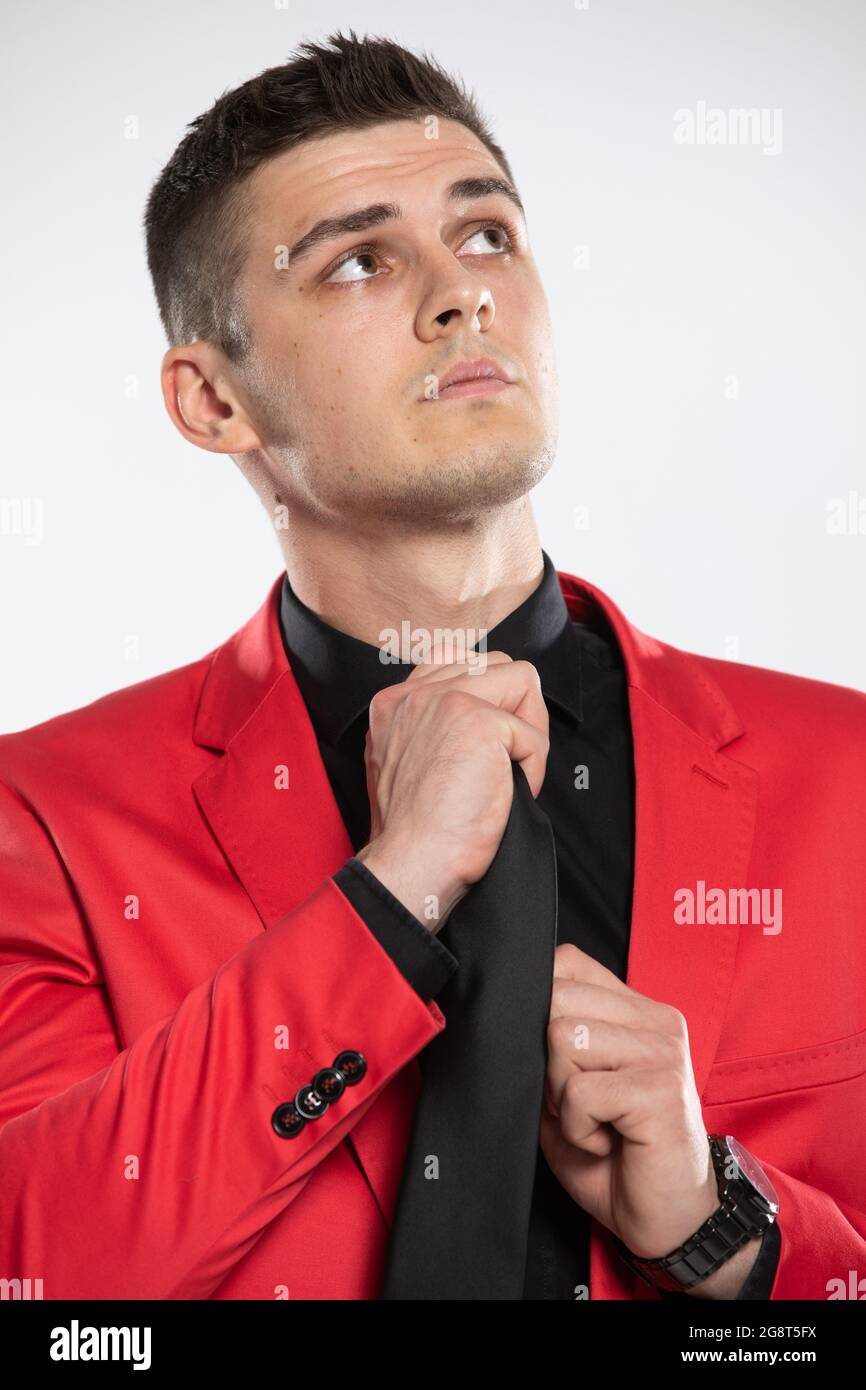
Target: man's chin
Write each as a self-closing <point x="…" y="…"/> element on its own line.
<point x="463" y="490"/>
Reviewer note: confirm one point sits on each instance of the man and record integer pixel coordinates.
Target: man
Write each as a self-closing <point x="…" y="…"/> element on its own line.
<point x="228" y="892"/>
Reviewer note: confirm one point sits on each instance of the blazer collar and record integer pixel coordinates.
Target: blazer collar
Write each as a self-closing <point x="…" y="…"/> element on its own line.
<point x="246" y="667"/>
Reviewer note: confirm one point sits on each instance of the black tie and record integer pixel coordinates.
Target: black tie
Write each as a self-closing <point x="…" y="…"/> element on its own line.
<point x="462" y="1217"/>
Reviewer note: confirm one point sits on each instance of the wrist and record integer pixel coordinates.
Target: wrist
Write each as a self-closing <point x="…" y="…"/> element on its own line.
<point x="727" y="1281"/>
<point x="748" y="1204"/>
<point x="673" y="1227"/>
<point x="423" y="893"/>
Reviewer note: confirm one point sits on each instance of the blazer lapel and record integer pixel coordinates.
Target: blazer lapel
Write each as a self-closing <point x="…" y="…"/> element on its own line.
<point x="695" y="815"/>
<point x="269" y="803"/>
<point x="267" y="799"/>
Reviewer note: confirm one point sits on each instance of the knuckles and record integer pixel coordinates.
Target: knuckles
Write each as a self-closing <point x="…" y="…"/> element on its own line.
<point x="676" y="1024"/>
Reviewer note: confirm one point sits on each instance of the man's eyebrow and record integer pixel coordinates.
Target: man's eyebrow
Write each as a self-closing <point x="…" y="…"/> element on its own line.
<point x="360" y="219"/>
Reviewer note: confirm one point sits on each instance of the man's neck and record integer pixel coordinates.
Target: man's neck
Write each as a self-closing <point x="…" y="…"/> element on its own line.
<point x="468" y="577"/>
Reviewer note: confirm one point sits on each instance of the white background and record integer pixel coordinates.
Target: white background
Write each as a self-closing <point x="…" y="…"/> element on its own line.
<point x="707" y="515"/>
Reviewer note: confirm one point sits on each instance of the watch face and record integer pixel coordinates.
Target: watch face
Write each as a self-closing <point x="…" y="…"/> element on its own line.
<point x="752" y="1171"/>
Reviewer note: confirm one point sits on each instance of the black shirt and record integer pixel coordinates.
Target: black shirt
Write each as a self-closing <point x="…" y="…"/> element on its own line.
<point x="588" y="795"/>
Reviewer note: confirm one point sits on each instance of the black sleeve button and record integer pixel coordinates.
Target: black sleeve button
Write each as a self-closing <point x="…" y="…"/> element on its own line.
<point x="329" y="1083"/>
<point x="313" y="1100"/>
<point x="352" y="1065"/>
<point x="310" y="1104"/>
<point x="286" y="1120"/>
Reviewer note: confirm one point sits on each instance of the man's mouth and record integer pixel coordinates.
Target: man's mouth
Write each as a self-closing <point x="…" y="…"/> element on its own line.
<point x="480" y="376"/>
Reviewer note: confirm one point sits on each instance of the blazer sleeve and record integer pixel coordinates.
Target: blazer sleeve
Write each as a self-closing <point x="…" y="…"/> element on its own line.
<point x="148" y="1171"/>
<point x="822" y="1240"/>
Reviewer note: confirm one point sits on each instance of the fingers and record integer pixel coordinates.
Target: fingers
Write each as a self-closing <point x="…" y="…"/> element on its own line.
<point x="631" y="1101"/>
<point x="585" y="998"/>
<point x="436" y="669"/>
<point x="594" y="1044"/>
<point x="512" y="685"/>
<point x="570" y="963"/>
<point x="528" y="746"/>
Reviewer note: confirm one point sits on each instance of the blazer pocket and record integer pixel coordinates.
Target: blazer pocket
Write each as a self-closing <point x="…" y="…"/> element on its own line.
<point x="748" y="1077"/>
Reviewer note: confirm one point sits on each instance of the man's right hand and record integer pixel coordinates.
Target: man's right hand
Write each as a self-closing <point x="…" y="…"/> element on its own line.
<point x="438" y="756"/>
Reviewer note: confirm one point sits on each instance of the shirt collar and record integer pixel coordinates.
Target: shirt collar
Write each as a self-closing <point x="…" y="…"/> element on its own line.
<point x="339" y="674"/>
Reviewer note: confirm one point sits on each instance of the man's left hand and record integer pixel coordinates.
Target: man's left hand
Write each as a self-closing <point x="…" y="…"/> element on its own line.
<point x="621" y="1125"/>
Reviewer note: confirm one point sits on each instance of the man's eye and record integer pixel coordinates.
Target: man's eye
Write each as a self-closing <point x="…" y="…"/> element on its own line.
<point x="361" y="254"/>
<point x="502" y="240"/>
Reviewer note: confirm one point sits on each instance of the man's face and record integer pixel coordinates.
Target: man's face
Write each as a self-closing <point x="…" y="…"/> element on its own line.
<point x="353" y="335"/>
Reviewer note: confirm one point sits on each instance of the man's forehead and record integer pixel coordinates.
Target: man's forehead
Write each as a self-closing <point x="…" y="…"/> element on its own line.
<point x="316" y="173"/>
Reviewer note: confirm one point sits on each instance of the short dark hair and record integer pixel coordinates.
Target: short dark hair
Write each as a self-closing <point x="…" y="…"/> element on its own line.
<point x="199" y="208"/>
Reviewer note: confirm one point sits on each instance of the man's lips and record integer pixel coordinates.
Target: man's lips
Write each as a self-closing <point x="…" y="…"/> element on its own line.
<point x="479" y="377"/>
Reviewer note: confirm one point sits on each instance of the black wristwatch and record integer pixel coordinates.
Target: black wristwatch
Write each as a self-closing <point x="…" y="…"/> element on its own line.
<point x="748" y="1204"/>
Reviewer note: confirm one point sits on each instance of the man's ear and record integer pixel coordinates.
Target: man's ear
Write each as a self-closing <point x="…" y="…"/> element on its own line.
<point x="201" y="395"/>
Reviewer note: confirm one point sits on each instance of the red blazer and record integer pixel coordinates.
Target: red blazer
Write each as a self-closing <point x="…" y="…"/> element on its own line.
<point x="168" y="923"/>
